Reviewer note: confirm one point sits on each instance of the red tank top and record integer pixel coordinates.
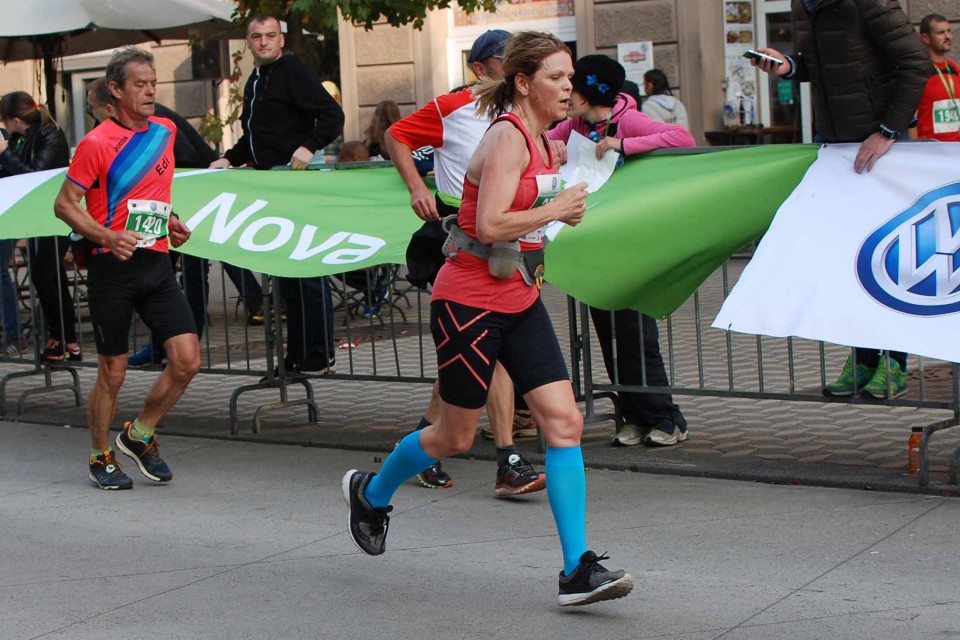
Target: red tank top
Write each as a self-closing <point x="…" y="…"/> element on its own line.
<point x="466" y="279"/>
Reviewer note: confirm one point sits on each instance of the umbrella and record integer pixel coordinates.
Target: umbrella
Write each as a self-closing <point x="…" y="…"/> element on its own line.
<point x="51" y="29"/>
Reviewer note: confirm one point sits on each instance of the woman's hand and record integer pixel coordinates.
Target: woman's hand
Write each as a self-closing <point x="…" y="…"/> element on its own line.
<point x="559" y="153"/>
<point x="608" y="143"/>
<point x="572" y="204"/>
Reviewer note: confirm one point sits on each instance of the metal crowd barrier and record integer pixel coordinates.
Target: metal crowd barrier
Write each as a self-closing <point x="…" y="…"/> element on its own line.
<point x="237" y="341"/>
<point x="730" y="365"/>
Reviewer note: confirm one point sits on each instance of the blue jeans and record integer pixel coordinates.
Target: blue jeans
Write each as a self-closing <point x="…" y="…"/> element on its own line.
<point x="9" y="313"/>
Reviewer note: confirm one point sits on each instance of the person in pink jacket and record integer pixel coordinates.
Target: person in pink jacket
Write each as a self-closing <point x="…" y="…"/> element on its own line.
<point x="599" y="111"/>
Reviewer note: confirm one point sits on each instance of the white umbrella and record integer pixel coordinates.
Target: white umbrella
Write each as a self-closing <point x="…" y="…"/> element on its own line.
<point x="51" y="29"/>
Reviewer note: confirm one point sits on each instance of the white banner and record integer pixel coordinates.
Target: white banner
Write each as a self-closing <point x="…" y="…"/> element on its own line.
<point x="869" y="260"/>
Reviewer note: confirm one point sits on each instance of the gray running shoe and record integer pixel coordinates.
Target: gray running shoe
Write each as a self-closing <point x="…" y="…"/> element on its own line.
<point x="367" y="525"/>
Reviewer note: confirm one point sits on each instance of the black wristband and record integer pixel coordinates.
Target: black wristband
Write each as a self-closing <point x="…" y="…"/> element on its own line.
<point x="888" y="133"/>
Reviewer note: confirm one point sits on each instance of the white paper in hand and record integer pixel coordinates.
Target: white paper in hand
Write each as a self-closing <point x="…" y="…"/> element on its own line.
<point x="582" y="164"/>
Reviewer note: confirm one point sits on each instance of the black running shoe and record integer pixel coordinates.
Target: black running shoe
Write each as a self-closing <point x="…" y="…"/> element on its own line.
<point x="434" y="477"/>
<point x="591" y="582"/>
<point x="105" y="473"/>
<point x="517" y="477"/>
<point x="145" y="454"/>
<point x="366" y="525"/>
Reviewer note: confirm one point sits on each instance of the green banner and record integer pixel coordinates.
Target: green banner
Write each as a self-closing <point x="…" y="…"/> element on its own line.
<point x="650" y="237"/>
<point x="662" y="224"/>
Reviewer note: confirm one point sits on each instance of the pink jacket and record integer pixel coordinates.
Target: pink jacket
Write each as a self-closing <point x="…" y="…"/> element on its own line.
<point x="640" y="133"/>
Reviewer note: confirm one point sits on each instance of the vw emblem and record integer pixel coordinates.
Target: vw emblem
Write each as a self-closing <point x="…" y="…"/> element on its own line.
<point x="153" y="206"/>
<point x="911" y="263"/>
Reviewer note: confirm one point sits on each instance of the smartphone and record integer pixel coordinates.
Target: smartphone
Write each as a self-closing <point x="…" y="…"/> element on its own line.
<point x="756" y="55"/>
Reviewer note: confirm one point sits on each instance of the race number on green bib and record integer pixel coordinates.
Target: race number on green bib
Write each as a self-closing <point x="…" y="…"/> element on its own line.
<point x="149" y="218"/>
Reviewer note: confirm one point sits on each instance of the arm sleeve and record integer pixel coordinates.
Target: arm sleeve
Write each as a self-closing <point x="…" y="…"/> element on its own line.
<point x="890" y="30"/>
<point x="240" y="153"/>
<point x="641" y="133"/>
<point x="310" y="97"/>
<point x="84" y="170"/>
<point x="422" y="128"/>
<point x="562" y="130"/>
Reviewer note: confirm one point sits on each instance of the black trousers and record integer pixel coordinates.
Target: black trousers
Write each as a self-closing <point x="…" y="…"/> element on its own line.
<point x="50" y="280"/>
<point x="638" y="362"/>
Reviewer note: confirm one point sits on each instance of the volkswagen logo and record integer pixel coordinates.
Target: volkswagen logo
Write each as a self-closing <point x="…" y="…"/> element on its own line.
<point x="911" y="263"/>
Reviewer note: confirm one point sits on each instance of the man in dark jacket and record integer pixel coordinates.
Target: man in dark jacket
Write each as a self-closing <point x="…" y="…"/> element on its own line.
<point x="287" y="117"/>
<point x="866" y="67"/>
<point x="287" y="114"/>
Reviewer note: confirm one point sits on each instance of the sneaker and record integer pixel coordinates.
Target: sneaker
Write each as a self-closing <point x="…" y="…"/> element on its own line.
<point x="591" y="582"/>
<point x="322" y="364"/>
<point x="843" y="387"/>
<point x="629" y="435"/>
<point x="53" y="351"/>
<point x="366" y="525"/>
<point x="371" y="311"/>
<point x="518" y="477"/>
<point x="142" y="358"/>
<point x="657" y="438"/>
<point x="524" y="426"/>
<point x="145" y="454"/>
<point x="434" y="477"/>
<point x="105" y="473"/>
<point x="877" y="387"/>
<point x="255" y="319"/>
<point x="73" y="353"/>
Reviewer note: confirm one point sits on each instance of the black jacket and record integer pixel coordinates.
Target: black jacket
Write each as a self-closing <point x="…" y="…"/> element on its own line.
<point x="865" y="63"/>
<point x="284" y="107"/>
<point x="42" y="147"/>
<point x="190" y="150"/>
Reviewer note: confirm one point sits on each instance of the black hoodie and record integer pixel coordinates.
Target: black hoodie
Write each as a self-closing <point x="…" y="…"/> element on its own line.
<point x="284" y="107"/>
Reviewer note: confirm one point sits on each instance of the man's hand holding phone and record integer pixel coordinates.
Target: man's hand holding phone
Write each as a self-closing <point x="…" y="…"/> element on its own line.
<point x="769" y="60"/>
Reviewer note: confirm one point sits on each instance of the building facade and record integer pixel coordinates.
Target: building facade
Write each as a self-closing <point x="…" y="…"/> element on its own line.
<point x="697" y="43"/>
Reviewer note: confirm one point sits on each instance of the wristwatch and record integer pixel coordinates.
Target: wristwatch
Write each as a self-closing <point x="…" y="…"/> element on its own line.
<point x="888" y="133"/>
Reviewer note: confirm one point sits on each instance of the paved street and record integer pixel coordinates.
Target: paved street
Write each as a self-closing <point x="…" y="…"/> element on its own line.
<point x="249" y="541"/>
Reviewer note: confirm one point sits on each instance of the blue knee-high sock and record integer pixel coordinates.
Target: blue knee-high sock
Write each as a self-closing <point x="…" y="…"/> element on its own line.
<point x="407" y="460"/>
<point x="567" y="492"/>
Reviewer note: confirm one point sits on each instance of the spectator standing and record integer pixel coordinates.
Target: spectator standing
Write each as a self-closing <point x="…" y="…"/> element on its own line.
<point x="37" y="144"/>
<point x="123" y="170"/>
<point x="287" y="117"/>
<point x="867" y="69"/>
<point x="938" y="116"/>
<point x="453" y="126"/>
<point x="385" y="114"/>
<point x="481" y="314"/>
<point x="599" y="111"/>
<point x="190" y="151"/>
<point x="660" y="103"/>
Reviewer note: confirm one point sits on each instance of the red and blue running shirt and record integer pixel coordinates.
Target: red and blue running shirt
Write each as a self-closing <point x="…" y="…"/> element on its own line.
<point x="114" y="164"/>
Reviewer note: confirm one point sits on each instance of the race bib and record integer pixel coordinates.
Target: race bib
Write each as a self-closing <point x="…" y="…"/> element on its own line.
<point x="149" y="218"/>
<point x="946" y="116"/>
<point x="549" y="187"/>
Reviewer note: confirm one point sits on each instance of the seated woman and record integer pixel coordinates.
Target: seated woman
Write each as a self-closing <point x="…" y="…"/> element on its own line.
<point x="600" y="111"/>
<point x="485" y="309"/>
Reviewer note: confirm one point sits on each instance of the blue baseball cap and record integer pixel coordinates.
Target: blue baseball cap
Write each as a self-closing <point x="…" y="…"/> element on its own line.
<point x="489" y="44"/>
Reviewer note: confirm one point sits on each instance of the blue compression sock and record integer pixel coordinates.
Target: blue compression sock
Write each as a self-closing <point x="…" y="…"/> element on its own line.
<point x="567" y="492"/>
<point x="406" y="461"/>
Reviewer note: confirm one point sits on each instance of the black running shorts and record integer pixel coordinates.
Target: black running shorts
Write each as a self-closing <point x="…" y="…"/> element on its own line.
<point x="145" y="283"/>
<point x="470" y="341"/>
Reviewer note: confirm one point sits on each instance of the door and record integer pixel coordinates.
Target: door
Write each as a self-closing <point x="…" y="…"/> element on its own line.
<point x="782" y="102"/>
